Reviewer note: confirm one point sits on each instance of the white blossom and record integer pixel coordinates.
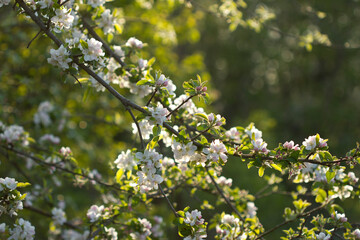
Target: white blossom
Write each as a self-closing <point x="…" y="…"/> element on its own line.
<point x="339" y="216"/>
<point x="2" y="227"/>
<point x="253" y="132"/>
<point x="134" y="43"/>
<point x="45" y="3"/>
<point x="353" y="177"/>
<point x="357" y="233"/>
<point x="58" y="215"/>
<point x="291" y="146"/>
<point x="60" y="57"/>
<point x="94" y="212"/>
<point x="323" y="236"/>
<point x="183" y="152"/>
<point x="112" y="233"/>
<point x="4" y="2"/>
<point x="93" y="51"/>
<point x="145" y="128"/>
<point x="259" y="145"/>
<point x="65" y="151"/>
<point x="73" y="235"/>
<point x="215" y="119"/>
<point x="310" y="142"/>
<point x="216" y="150"/>
<point x="125" y="160"/>
<point x="251" y="209"/>
<point x="96" y="3"/>
<point x="62" y="19"/>
<point x="9" y="183"/>
<point x="49" y="138"/>
<point x="22" y="230"/>
<point x="233" y="134"/>
<point x="42" y="115"/>
<point x="118" y="51"/>
<point x="159" y="113"/>
<point x="107" y="22"/>
<point x="193" y="218"/>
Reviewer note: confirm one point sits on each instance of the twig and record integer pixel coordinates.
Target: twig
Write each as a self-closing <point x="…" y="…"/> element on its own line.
<point x="168" y="201"/>
<point x="152" y="96"/>
<point x="185" y="101"/>
<point x="138" y="127"/>
<point x="33" y="38"/>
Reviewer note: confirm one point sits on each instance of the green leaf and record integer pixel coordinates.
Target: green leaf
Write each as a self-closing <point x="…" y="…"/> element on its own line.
<point x="22" y="184"/>
<point x="204" y="116"/>
<point x="142" y="82"/>
<point x="119" y="174"/>
<point x="156" y="130"/>
<point x="320" y="196"/>
<point x="261" y="171"/>
<point x="84" y="44"/>
<point x="330" y="175"/>
<point x="276" y="167"/>
<point x="110" y="37"/>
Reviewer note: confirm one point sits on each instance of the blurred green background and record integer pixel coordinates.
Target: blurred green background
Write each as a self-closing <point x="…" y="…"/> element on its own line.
<point x="265" y="76"/>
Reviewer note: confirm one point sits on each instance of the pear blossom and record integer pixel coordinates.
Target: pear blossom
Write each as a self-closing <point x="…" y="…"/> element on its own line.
<point x="125" y="160"/>
<point x="159" y="113"/>
<point x="60" y="57"/>
<point x="291" y="146"/>
<point x="183" y="152"/>
<point x="107" y="22"/>
<point x="193" y="218"/>
<point x="62" y="19"/>
<point x="134" y="43"/>
<point x="251" y="209"/>
<point x="96" y="3"/>
<point x="42" y="115"/>
<point x="233" y="134"/>
<point x="22" y="230"/>
<point x="259" y="145"/>
<point x="4" y="2"/>
<point x="95" y="212"/>
<point x="9" y="183"/>
<point x="339" y="216"/>
<point x="93" y="50"/>
<point x="253" y="132"/>
<point x="310" y="142"/>
<point x="58" y="215"/>
<point x="145" y="128"/>
<point x="216" y="150"/>
<point x="357" y="233"/>
<point x="323" y="236"/>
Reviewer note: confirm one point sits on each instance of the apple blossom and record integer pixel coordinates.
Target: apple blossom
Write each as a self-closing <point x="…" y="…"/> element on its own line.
<point x="134" y="43"/>
<point x="95" y="212"/>
<point x="93" y="50"/>
<point x="62" y="20"/>
<point x="216" y="150"/>
<point x="60" y="57"/>
<point x="58" y="215"/>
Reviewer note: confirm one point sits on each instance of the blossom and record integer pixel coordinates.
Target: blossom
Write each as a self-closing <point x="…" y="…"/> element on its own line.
<point x="134" y="43"/>
<point x="94" y="212"/>
<point x="291" y="145"/>
<point x="62" y="19"/>
<point x="125" y="160"/>
<point x="193" y="218"/>
<point x="142" y="63"/>
<point x="50" y="138"/>
<point x="42" y="115"/>
<point x="233" y="134"/>
<point x="145" y="128"/>
<point x="259" y="145"/>
<point x="45" y="3"/>
<point x="97" y="85"/>
<point x="353" y="177"/>
<point x="22" y="230"/>
<point x="183" y="152"/>
<point x="253" y="132"/>
<point x="93" y="50"/>
<point x="14" y="133"/>
<point x="216" y="150"/>
<point x="112" y="233"/>
<point x="96" y="3"/>
<point x="107" y="22"/>
<point x="150" y="165"/>
<point x="9" y="183"/>
<point x="215" y="119"/>
<point x="145" y="230"/>
<point x="60" y="57"/>
<point x="339" y="216"/>
<point x="2" y="227"/>
<point x="223" y="181"/>
<point x="58" y="215"/>
<point x="73" y="235"/>
<point x="159" y="113"/>
<point x="65" y="151"/>
<point x="118" y="51"/>
<point x="4" y="2"/>
<point x="357" y="233"/>
<point x="230" y="219"/>
<point x="251" y="208"/>
<point x="323" y="236"/>
<point x="310" y="142"/>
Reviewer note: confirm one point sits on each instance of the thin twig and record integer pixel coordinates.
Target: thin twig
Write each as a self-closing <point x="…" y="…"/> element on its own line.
<point x="33" y="38"/>
<point x="138" y="127"/>
<point x="185" y="101"/>
<point x="152" y="96"/>
<point x="168" y="201"/>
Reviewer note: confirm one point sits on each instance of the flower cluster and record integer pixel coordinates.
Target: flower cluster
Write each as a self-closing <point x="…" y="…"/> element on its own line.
<point x="125" y="160"/>
<point x="159" y="113"/>
<point x="229" y="228"/>
<point x="183" y="152"/>
<point x="12" y="134"/>
<point x="62" y="19"/>
<point x="150" y="165"/>
<point x="58" y="215"/>
<point x="11" y="199"/>
<point x="93" y="50"/>
<point x="22" y="230"/>
<point x="216" y="151"/>
<point x="42" y="116"/>
<point x="256" y="139"/>
<point x="60" y="58"/>
<point x="314" y="141"/>
<point x="95" y="212"/>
